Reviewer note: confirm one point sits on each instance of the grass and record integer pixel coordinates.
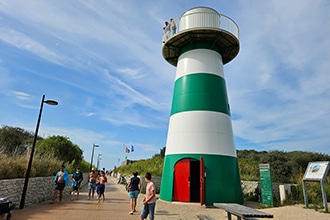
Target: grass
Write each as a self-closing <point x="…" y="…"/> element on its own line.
<point x="15" y="165"/>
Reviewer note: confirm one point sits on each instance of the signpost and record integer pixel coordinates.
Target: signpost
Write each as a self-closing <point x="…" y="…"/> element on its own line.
<point x="316" y="171"/>
<point x="266" y="184"/>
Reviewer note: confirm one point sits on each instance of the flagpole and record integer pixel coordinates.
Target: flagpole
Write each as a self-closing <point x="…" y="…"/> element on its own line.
<point x="124" y="149"/>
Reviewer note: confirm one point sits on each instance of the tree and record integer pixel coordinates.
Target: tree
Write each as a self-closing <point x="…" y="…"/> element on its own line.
<point x="285" y="166"/>
<point x="61" y="148"/>
<point x="15" y="139"/>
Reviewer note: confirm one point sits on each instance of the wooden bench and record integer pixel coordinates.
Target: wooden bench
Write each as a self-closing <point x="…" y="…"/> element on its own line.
<point x="241" y="211"/>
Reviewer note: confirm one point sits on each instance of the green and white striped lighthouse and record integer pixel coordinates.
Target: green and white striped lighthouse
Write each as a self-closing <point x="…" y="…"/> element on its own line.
<point x="200" y="159"/>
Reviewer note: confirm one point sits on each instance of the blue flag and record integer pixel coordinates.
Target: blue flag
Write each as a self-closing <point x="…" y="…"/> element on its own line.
<point x="132" y="148"/>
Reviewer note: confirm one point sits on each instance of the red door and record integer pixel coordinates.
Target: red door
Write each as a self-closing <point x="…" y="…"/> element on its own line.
<point x="202" y="174"/>
<point x="181" y="186"/>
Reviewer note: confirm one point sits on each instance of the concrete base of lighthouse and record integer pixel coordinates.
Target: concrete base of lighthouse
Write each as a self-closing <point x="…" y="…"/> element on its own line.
<point x="221" y="179"/>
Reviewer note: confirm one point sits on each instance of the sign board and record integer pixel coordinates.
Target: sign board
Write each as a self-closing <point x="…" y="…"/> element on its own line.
<point x="266" y="184"/>
<point x="316" y="171"/>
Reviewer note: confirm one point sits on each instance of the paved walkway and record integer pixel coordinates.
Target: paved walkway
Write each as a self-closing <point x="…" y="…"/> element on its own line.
<point x="115" y="206"/>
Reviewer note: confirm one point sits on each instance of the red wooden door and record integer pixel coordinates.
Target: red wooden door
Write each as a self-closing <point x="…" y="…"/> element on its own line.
<point x="181" y="186"/>
<point x="202" y="174"/>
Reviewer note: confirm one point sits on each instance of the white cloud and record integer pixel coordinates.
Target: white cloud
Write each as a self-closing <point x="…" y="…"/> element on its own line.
<point x="24" y="42"/>
<point x="279" y="86"/>
<point x="22" y="95"/>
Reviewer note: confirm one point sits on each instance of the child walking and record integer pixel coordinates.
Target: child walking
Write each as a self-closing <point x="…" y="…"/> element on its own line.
<point x="77" y="177"/>
<point x="149" y="201"/>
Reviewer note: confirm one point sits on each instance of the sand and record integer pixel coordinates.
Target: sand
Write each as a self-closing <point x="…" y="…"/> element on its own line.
<point x="175" y="210"/>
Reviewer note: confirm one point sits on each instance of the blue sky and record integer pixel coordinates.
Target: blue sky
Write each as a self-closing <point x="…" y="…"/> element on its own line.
<point x="102" y="61"/>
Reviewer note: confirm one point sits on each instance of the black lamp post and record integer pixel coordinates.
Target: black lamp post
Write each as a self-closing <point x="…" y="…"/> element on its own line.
<point x="90" y="167"/>
<point x="27" y="175"/>
<point x="98" y="160"/>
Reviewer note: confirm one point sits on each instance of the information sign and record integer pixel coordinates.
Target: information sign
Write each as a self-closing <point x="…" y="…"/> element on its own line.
<point x="266" y="184"/>
<point x="316" y="171"/>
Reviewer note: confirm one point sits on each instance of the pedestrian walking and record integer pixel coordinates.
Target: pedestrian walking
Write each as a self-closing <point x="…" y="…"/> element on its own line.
<point x="101" y="186"/>
<point x="149" y="201"/>
<point x="92" y="177"/>
<point x="134" y="188"/>
<point x="60" y="181"/>
<point x="77" y="178"/>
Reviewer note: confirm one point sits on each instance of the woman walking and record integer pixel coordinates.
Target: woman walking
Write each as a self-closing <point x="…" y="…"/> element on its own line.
<point x="134" y="188"/>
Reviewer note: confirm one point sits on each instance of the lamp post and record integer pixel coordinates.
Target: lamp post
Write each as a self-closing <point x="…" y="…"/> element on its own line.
<point x="27" y="174"/>
<point x="98" y="160"/>
<point x="90" y="167"/>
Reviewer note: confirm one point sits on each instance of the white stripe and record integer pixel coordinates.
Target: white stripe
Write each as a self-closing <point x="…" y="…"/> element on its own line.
<point x="200" y="132"/>
<point x="199" y="61"/>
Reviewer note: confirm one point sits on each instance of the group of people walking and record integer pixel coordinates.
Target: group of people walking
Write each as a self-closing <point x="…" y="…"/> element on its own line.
<point x="96" y="182"/>
<point x="169" y="29"/>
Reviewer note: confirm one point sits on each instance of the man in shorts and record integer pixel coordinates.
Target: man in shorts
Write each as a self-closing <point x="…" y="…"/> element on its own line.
<point x="92" y="177"/>
<point x="60" y="181"/>
<point x="101" y="186"/>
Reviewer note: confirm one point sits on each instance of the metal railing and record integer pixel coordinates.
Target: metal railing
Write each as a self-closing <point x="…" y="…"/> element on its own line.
<point x="199" y="20"/>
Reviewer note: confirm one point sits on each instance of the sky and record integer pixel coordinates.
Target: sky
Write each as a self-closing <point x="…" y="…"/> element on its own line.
<point x="102" y="62"/>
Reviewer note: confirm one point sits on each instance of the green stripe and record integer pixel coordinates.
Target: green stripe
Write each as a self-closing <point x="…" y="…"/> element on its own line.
<point x="223" y="182"/>
<point x="200" y="91"/>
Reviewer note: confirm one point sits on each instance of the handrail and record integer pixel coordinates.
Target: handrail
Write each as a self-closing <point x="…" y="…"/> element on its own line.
<point x="180" y="24"/>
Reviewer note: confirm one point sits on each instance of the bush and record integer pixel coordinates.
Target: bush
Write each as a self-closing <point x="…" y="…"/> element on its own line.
<point x="153" y="166"/>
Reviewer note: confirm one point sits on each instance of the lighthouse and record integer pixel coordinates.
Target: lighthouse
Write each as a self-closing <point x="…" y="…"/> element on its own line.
<point x="200" y="162"/>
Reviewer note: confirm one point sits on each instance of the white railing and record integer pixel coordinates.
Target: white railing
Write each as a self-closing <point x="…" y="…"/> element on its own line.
<point x="200" y="20"/>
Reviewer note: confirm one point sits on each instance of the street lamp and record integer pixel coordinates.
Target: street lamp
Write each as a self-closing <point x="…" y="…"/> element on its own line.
<point x="27" y="174"/>
<point x="90" y="167"/>
<point x="98" y="160"/>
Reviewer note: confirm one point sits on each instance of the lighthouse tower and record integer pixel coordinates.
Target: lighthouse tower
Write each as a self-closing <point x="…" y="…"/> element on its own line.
<point x="200" y="159"/>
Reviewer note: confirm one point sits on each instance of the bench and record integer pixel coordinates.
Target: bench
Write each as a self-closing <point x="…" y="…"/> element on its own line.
<point x="241" y="211"/>
<point x="205" y="217"/>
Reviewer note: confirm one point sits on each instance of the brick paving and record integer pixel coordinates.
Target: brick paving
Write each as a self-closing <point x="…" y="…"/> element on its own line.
<point x="115" y="206"/>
